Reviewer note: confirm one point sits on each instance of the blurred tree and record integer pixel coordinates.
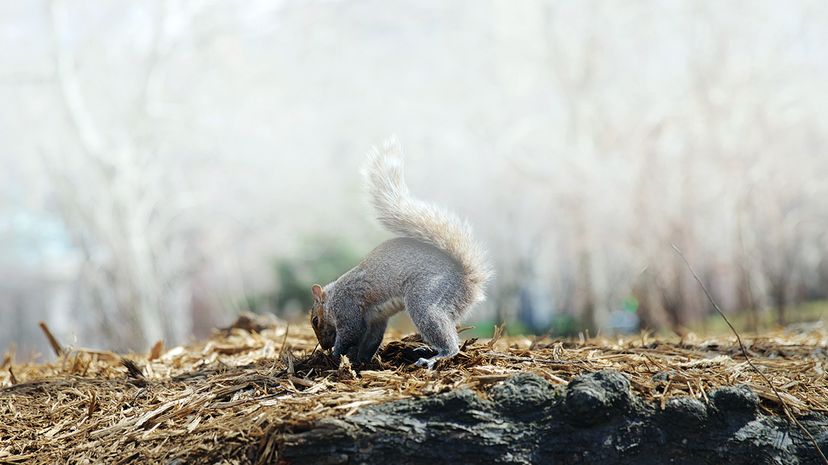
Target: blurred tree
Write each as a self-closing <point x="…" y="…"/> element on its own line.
<point x="321" y="262"/>
<point x="183" y="142"/>
<point x="126" y="209"/>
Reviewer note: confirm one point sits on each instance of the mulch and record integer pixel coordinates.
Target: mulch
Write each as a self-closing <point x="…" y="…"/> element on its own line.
<point x="227" y="399"/>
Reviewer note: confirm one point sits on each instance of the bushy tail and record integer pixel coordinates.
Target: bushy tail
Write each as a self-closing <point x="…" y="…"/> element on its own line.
<point x="407" y="216"/>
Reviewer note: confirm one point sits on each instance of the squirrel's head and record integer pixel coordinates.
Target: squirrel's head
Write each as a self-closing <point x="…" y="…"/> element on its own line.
<point x="322" y="326"/>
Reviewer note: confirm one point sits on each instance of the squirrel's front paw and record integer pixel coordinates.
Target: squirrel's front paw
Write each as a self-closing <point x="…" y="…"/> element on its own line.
<point x="427" y="363"/>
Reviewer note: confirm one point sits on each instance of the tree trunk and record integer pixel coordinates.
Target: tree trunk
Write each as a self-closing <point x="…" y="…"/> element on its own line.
<point x="526" y="421"/>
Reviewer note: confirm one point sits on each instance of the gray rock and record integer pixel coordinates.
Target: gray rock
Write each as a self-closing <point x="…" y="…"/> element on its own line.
<point x="522" y="393"/>
<point x="735" y="399"/>
<point x="596" y="397"/>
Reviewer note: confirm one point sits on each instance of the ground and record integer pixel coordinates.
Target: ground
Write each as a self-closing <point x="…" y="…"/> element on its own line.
<point x="263" y="393"/>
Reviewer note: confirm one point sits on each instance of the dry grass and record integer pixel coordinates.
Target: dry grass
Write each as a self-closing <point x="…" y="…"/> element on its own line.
<point x="227" y="398"/>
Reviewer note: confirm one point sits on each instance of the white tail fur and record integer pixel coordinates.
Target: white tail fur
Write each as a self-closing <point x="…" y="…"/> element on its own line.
<point x="407" y="216"/>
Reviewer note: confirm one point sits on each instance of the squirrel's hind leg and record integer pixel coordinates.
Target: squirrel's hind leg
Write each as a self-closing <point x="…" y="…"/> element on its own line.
<point x="436" y="326"/>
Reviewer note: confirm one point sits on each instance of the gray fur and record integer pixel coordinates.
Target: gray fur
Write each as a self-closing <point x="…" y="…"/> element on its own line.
<point x="436" y="272"/>
<point x="399" y="212"/>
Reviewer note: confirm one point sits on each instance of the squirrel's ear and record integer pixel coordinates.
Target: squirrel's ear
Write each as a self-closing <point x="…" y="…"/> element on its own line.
<point x="318" y="292"/>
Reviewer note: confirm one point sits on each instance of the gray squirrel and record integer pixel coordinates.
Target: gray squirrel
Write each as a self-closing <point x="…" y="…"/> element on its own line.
<point x="435" y="270"/>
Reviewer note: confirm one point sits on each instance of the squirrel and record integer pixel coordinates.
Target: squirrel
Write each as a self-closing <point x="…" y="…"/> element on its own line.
<point x="435" y="270"/>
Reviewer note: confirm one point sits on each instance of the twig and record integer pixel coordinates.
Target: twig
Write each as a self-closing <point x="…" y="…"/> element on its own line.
<point x="156" y="350"/>
<point x="8" y="358"/>
<point x="498" y="333"/>
<point x="718" y="309"/>
<point x="133" y="370"/>
<point x="58" y="350"/>
<point x="284" y="341"/>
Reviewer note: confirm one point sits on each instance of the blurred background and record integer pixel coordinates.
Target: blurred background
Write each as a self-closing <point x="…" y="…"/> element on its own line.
<point x="168" y="164"/>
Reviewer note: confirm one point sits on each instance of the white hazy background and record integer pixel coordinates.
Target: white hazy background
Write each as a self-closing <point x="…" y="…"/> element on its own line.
<point x="158" y="156"/>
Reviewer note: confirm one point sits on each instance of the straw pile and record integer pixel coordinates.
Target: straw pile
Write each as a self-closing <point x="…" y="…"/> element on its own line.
<point x="225" y="400"/>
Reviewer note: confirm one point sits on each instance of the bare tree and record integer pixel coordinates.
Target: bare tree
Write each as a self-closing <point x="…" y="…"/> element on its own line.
<point x="124" y="206"/>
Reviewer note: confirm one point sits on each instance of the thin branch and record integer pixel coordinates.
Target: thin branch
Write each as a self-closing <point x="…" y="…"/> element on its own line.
<point x="784" y="404"/>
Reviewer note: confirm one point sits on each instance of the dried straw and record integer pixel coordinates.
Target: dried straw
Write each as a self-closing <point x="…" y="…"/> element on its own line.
<point x="225" y="400"/>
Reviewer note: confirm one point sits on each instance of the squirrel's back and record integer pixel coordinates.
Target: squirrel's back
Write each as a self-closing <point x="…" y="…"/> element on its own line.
<point x="409" y="217"/>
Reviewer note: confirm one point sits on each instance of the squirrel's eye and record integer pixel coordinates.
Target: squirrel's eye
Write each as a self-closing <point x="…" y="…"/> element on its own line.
<point x="315" y="321"/>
